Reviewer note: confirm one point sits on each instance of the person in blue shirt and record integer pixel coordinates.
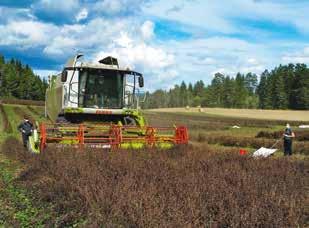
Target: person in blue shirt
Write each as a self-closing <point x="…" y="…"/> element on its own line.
<point x="287" y="140"/>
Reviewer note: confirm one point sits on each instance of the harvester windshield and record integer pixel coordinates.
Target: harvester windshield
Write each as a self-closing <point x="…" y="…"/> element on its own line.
<point x="100" y="89"/>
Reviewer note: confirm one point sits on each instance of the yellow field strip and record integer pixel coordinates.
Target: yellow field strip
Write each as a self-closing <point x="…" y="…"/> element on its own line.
<point x="287" y="115"/>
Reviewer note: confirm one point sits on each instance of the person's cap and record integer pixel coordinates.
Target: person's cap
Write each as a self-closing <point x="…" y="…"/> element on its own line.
<point x="26" y="117"/>
<point x="288" y="125"/>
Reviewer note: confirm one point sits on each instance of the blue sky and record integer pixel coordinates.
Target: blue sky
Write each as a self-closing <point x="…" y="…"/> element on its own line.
<point x="169" y="41"/>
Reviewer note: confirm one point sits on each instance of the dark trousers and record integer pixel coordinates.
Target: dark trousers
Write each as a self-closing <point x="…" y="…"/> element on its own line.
<point x="25" y="138"/>
<point x="287" y="147"/>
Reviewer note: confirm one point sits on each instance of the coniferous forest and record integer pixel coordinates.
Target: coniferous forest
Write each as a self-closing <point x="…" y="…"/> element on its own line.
<point x="19" y="81"/>
<point x="285" y="87"/>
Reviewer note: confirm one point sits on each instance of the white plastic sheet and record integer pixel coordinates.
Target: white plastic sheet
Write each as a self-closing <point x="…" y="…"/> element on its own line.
<point x="264" y="152"/>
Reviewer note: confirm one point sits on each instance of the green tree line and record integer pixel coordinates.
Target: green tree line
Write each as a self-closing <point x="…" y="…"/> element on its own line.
<point x="285" y="87"/>
<point x="19" y="81"/>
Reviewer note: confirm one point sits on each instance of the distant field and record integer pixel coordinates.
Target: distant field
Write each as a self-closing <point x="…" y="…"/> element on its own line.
<point x="245" y="113"/>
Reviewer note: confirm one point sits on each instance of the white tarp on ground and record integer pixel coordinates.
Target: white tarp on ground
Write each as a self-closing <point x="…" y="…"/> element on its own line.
<point x="264" y="152"/>
<point x="304" y="126"/>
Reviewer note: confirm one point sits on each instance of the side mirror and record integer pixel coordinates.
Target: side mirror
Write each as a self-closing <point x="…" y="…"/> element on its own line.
<point x="141" y="81"/>
<point x="64" y="76"/>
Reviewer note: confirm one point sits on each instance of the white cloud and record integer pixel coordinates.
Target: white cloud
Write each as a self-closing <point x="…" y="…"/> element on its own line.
<point x="297" y="57"/>
<point x="147" y="30"/>
<point x="198" y="59"/>
<point x="126" y="44"/>
<point x="124" y="40"/>
<point x="218" y="15"/>
<point x="222" y="71"/>
<point x="61" y="45"/>
<point x="83" y="14"/>
<point x="44" y="73"/>
<point x="253" y="61"/>
<point x="208" y="60"/>
<point x="255" y="69"/>
<point x="306" y="51"/>
<point x="204" y="14"/>
<point x="63" y="40"/>
<point x="118" y="7"/>
<point x="56" y="5"/>
<point x="26" y="34"/>
<point x="109" y="7"/>
<point x="139" y="55"/>
<point x="153" y="61"/>
<point x="7" y="14"/>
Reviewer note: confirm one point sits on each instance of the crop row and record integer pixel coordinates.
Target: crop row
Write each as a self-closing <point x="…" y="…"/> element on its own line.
<point x="301" y="135"/>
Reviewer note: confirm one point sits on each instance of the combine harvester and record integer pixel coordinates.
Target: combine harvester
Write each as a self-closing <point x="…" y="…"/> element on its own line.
<point x="97" y="105"/>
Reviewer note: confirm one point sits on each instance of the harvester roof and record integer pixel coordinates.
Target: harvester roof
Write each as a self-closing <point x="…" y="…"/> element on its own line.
<point x="106" y="67"/>
<point x="108" y="63"/>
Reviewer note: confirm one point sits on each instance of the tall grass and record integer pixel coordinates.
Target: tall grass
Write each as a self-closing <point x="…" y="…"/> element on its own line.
<point x="7" y="128"/>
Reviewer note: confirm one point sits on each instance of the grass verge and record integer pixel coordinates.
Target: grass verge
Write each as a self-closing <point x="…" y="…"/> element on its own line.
<point x="19" y="211"/>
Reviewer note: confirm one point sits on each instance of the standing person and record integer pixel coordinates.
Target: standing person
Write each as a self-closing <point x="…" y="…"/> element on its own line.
<point x="26" y="128"/>
<point x="287" y="139"/>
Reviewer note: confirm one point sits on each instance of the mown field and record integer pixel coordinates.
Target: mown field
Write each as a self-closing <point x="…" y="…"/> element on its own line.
<point x="206" y="184"/>
<point x="287" y="115"/>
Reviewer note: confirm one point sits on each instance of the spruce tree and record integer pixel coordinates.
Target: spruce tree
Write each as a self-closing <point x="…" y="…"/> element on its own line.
<point x="241" y="91"/>
<point x="280" y="98"/>
<point x="300" y="90"/>
<point x="262" y="90"/>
